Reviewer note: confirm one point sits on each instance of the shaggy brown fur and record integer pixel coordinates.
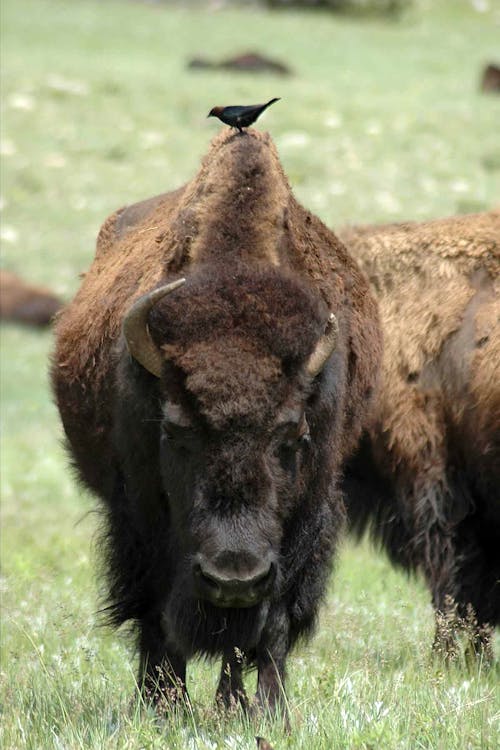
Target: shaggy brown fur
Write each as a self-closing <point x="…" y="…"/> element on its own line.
<point x="428" y="472"/>
<point x="26" y="303"/>
<point x="233" y="447"/>
<point x="238" y="207"/>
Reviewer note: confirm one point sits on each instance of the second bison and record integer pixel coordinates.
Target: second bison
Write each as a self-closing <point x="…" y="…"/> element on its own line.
<point x="213" y="417"/>
<point x="426" y="477"/>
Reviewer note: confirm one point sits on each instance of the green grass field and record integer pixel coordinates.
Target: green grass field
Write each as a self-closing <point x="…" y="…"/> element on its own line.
<point x="382" y="121"/>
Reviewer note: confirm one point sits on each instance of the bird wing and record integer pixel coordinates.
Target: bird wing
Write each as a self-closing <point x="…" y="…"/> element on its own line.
<point x="235" y="110"/>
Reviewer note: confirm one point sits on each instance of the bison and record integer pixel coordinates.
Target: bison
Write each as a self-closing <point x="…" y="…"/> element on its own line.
<point x="490" y="78"/>
<point x="26" y="303"/>
<point x="213" y="372"/>
<point x="426" y="474"/>
<point x="247" y="62"/>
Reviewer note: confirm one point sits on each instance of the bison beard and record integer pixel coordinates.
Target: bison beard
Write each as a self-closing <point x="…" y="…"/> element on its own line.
<point x="212" y="416"/>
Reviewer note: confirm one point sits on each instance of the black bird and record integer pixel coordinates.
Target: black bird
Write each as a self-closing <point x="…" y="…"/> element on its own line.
<point x="240" y="117"/>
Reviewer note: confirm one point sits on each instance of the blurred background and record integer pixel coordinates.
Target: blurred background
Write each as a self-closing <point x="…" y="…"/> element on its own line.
<point x="382" y="116"/>
<point x="389" y="110"/>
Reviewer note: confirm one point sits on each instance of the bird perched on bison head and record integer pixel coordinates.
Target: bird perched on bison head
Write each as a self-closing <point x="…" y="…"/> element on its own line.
<point x="240" y="117"/>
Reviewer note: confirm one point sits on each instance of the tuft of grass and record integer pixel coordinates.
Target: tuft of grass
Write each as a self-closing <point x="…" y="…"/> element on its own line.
<point x="382" y="121"/>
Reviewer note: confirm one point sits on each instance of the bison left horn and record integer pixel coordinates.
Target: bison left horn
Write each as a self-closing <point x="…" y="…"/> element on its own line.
<point x="324" y="347"/>
<point x="135" y="328"/>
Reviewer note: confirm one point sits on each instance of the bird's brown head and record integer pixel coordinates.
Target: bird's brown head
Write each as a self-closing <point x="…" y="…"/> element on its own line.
<point x="215" y="111"/>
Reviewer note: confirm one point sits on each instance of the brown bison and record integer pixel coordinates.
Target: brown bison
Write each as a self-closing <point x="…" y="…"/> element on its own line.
<point x="490" y="78"/>
<point x="21" y="302"/>
<point x="247" y="62"/>
<point x="213" y="372"/>
<point x="426" y="476"/>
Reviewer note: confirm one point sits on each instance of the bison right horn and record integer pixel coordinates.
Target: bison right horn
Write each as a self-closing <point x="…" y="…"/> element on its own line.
<point x="324" y="347"/>
<point x="135" y="328"/>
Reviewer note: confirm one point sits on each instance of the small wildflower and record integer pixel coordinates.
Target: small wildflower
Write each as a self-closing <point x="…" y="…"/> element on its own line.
<point x="294" y="140"/>
<point x="460" y="186"/>
<point x="9" y="234"/>
<point x="20" y="101"/>
<point x="333" y="121"/>
<point x="67" y="86"/>
<point x="8" y="148"/>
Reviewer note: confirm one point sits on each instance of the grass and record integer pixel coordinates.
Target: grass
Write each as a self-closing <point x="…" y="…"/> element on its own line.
<point x="383" y="121"/>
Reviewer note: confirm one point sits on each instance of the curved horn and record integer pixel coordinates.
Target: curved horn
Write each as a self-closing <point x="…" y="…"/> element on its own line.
<point x="136" y="332"/>
<point x="324" y="347"/>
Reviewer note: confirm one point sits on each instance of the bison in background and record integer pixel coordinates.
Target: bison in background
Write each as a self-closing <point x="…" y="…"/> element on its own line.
<point x="490" y="78"/>
<point x="25" y="303"/>
<point x="426" y="477"/>
<point x="247" y="62"/>
<point x="213" y="416"/>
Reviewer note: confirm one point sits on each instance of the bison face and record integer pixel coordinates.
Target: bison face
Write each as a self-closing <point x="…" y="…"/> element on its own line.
<point x="230" y="492"/>
<point x="237" y="351"/>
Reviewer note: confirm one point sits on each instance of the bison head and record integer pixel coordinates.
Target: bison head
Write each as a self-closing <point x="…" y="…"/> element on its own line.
<point x="237" y="353"/>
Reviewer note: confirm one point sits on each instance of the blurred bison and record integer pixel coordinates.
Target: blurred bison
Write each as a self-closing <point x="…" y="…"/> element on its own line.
<point x="213" y="416"/>
<point x="490" y="78"/>
<point x="26" y="303"/>
<point x="247" y="62"/>
<point x="426" y="477"/>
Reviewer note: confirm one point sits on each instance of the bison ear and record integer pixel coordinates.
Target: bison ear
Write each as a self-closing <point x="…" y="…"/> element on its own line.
<point x="135" y="328"/>
<point x="324" y="348"/>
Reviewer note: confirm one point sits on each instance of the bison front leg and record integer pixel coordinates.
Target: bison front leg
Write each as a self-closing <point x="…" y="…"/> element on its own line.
<point x="466" y="612"/>
<point x="231" y="691"/>
<point x="271" y="660"/>
<point x="162" y="671"/>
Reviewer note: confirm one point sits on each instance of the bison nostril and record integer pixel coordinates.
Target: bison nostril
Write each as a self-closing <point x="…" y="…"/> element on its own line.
<point x="207" y="581"/>
<point x="265" y="577"/>
<point x="228" y="586"/>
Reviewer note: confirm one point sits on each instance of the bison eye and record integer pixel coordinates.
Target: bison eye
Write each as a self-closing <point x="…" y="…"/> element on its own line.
<point x="287" y="455"/>
<point x="289" y="445"/>
<point x="178" y="437"/>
